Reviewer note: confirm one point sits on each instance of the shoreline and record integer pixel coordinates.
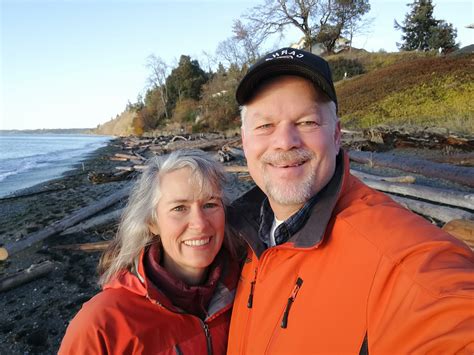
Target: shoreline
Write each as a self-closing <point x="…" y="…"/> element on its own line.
<point x="36" y="176"/>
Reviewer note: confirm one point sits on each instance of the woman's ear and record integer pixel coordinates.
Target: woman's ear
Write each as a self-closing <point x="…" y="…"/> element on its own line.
<point x="153" y="227"/>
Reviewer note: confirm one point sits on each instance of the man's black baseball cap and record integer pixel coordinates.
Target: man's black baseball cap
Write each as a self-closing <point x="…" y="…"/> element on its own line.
<point x="287" y="61"/>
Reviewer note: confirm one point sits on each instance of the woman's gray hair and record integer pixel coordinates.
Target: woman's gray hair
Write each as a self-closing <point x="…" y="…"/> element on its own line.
<point x="133" y="234"/>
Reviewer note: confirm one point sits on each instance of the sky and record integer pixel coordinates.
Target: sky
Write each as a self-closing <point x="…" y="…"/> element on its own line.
<point x="77" y="63"/>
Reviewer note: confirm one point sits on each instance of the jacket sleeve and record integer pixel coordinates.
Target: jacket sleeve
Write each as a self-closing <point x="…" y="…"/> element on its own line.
<point x="84" y="336"/>
<point x="423" y="302"/>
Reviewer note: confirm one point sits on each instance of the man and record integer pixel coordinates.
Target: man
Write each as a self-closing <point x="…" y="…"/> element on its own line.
<point x="333" y="266"/>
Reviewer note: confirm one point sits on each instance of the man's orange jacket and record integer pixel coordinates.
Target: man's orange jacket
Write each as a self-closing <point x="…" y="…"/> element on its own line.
<point x="363" y="274"/>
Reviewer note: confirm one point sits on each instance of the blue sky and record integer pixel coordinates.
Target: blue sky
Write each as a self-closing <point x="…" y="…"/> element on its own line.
<point x="76" y="63"/>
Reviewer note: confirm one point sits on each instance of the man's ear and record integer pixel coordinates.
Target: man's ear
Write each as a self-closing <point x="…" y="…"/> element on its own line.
<point x="153" y="227"/>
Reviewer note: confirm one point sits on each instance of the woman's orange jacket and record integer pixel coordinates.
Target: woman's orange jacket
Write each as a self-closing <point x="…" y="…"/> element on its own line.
<point x="363" y="271"/>
<point x="130" y="316"/>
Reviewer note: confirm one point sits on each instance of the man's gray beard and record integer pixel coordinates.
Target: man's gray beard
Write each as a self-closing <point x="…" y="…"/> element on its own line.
<point x="289" y="193"/>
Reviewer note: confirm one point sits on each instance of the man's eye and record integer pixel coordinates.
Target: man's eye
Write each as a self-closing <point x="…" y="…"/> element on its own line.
<point x="307" y="123"/>
<point x="264" y="126"/>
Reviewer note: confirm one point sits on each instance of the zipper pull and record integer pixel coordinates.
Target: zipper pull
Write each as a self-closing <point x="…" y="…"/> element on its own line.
<point x="252" y="285"/>
<point x="207" y="332"/>
<point x="291" y="299"/>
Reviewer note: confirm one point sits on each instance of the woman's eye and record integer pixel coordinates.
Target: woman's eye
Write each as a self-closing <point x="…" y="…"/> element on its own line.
<point x="211" y="205"/>
<point x="179" y="208"/>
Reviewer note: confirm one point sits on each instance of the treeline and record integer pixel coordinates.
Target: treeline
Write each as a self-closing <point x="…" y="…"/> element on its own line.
<point x="187" y="97"/>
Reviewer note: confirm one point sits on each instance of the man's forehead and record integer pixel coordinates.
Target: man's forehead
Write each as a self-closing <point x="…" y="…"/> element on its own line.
<point x="276" y="81"/>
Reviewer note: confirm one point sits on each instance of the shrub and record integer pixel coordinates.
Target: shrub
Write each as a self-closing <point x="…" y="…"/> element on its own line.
<point x="340" y="67"/>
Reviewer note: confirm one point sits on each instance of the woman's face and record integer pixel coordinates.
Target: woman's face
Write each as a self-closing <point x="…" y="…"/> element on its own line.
<point x="191" y="226"/>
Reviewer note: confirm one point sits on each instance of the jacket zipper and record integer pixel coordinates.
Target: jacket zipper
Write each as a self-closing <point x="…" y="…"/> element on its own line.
<point x="207" y="333"/>
<point x="291" y="299"/>
<point x="204" y="325"/>
<point x="252" y="286"/>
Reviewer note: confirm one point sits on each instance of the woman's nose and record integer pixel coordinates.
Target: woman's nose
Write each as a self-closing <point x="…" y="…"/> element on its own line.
<point x="198" y="219"/>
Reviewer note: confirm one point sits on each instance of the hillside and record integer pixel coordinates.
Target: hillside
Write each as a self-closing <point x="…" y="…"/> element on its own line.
<point x="122" y="125"/>
<point x="414" y="90"/>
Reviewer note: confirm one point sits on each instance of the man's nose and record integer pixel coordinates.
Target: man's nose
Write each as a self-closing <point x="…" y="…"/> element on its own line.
<point x="287" y="136"/>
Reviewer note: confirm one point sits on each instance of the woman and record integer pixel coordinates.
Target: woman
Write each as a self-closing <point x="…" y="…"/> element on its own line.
<point x="168" y="286"/>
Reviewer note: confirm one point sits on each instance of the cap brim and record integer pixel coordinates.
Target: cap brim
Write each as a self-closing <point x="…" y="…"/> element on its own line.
<point x="279" y="67"/>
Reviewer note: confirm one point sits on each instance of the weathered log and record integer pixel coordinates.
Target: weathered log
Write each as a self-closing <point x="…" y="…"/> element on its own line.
<point x="125" y="156"/>
<point x="100" y="178"/>
<point x="466" y="159"/>
<point x="139" y="156"/>
<point x="440" y="213"/>
<point x="125" y="168"/>
<point x="202" y="144"/>
<point x="83" y="213"/>
<point x="447" y="197"/>
<point x="118" y="159"/>
<point x="236" y="169"/>
<point x="89" y="247"/>
<point x="235" y="152"/>
<point x="94" y="222"/>
<point x="459" y="174"/>
<point x="32" y="273"/>
<point x="407" y="179"/>
<point x="461" y="229"/>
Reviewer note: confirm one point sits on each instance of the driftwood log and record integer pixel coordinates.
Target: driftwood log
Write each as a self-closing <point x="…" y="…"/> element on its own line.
<point x="440" y="213"/>
<point x="407" y="179"/>
<point x="83" y="213"/>
<point x="89" y="247"/>
<point x="95" y="221"/>
<point x="461" y="229"/>
<point x="447" y="197"/>
<point x="32" y="273"/>
<point x="458" y="174"/>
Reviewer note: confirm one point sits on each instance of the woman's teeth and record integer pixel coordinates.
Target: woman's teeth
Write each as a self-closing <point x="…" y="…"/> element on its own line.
<point x="196" y="242"/>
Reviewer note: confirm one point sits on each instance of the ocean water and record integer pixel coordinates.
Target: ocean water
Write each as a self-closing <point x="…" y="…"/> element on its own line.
<point x="29" y="159"/>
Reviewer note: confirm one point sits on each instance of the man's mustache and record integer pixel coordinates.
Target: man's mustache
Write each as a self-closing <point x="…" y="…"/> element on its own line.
<point x="295" y="156"/>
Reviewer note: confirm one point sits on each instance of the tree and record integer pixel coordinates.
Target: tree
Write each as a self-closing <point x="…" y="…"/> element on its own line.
<point x="422" y="32"/>
<point x="318" y="20"/>
<point x="444" y="37"/>
<point x="157" y="79"/>
<point x="242" y="48"/>
<point x="185" y="81"/>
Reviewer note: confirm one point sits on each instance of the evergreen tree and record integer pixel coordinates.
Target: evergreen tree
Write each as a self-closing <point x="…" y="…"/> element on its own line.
<point x="422" y="32"/>
<point x="185" y="81"/>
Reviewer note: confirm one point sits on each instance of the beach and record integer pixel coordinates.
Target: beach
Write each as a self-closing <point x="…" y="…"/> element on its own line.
<point x="35" y="315"/>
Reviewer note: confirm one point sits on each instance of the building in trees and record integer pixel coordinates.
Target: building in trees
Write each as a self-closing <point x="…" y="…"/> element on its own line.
<point x="320" y="21"/>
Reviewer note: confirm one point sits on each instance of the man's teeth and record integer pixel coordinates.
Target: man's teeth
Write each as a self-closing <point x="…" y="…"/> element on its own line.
<point x="196" y="242"/>
<point x="289" y="165"/>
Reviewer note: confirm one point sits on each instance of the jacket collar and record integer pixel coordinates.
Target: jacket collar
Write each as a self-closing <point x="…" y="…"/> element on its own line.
<point x="135" y="281"/>
<point x="244" y="215"/>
